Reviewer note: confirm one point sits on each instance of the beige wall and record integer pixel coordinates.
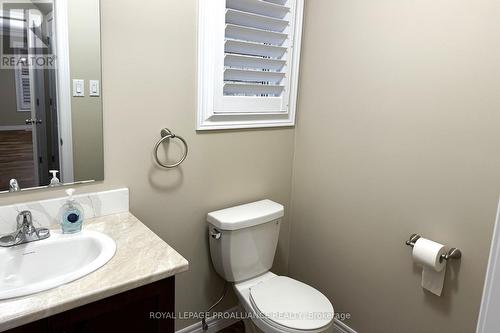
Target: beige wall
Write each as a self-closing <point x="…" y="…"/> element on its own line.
<point x="154" y="86"/>
<point x="86" y="112"/>
<point x="398" y="132"/>
<point x="8" y="104"/>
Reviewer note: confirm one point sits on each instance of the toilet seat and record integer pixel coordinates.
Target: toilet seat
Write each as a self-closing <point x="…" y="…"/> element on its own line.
<point x="288" y="304"/>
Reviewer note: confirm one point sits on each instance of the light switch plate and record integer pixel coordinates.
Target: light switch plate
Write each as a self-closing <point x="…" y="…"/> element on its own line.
<point x="94" y="89"/>
<point x="78" y="88"/>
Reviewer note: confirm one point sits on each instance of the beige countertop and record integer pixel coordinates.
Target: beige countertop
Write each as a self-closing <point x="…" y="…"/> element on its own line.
<point x="141" y="258"/>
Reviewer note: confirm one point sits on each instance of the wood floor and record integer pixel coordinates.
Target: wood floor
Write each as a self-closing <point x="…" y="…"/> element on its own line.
<point x="16" y="159"/>
<point x="237" y="327"/>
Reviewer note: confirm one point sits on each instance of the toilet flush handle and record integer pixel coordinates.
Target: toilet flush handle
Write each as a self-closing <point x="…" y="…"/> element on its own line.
<point x="215" y="234"/>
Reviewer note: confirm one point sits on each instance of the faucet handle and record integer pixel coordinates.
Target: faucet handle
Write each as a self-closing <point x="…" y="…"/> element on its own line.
<point x="24" y="219"/>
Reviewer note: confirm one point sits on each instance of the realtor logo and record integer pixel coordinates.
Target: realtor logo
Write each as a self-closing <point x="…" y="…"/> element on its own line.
<point x="25" y="29"/>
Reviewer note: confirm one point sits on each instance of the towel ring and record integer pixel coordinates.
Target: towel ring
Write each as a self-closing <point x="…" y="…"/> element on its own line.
<point x="167" y="134"/>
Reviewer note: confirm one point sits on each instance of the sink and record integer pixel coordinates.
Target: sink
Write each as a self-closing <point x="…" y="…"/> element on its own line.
<point x="45" y="264"/>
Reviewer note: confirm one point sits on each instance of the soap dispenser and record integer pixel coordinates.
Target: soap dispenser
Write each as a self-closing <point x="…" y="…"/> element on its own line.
<point x="71" y="214"/>
<point x="54" y="181"/>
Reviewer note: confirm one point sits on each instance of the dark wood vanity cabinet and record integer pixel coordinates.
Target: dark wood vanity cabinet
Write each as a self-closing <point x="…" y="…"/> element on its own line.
<point x="129" y="311"/>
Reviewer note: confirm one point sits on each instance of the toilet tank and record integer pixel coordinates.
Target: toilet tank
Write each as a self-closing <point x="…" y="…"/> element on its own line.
<point x="243" y="239"/>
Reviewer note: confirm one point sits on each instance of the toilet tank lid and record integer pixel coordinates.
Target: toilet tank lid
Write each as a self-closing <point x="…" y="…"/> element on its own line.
<point x="247" y="215"/>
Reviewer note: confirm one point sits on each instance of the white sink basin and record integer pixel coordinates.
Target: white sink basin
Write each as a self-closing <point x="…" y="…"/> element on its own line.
<point x="41" y="265"/>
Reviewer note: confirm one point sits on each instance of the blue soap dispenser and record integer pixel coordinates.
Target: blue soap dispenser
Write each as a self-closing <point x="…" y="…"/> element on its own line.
<point x="71" y="214"/>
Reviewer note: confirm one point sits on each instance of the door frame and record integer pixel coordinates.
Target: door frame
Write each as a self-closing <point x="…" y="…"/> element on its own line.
<point x="63" y="82"/>
<point x="38" y="115"/>
<point x="488" y="314"/>
<point x="55" y="142"/>
<point x="34" y="130"/>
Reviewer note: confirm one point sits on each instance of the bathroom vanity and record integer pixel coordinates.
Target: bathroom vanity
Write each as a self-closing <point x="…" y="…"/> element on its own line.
<point x="118" y="297"/>
<point x="51" y="135"/>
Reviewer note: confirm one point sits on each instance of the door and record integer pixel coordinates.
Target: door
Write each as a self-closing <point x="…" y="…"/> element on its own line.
<point x="38" y="119"/>
<point x="51" y="104"/>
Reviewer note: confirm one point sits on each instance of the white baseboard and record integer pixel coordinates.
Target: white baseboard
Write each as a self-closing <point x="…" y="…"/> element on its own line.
<point x="340" y="327"/>
<point x="214" y="324"/>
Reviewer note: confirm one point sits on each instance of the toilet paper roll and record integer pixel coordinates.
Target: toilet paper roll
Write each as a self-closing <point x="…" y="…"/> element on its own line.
<point x="428" y="253"/>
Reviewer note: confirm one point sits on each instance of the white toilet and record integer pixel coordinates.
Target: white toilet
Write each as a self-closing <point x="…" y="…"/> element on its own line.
<point x="243" y="242"/>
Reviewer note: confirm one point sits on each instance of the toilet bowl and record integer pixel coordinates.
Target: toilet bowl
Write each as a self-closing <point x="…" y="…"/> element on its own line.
<point x="243" y="242"/>
<point x="279" y="304"/>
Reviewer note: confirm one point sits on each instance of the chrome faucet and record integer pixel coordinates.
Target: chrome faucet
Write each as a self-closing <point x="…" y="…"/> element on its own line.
<point x="25" y="233"/>
<point x="14" y="185"/>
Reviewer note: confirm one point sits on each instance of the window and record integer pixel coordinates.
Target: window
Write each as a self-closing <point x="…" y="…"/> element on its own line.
<point x="23" y="90"/>
<point x="248" y="61"/>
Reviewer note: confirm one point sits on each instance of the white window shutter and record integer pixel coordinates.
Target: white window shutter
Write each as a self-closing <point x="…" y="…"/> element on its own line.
<point x="248" y="62"/>
<point x="23" y="88"/>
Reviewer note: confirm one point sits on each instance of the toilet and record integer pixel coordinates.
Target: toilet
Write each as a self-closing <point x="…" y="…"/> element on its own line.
<point x="243" y="242"/>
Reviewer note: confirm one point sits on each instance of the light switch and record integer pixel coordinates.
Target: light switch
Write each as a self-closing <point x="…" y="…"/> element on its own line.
<point x="78" y="88"/>
<point x="94" y="88"/>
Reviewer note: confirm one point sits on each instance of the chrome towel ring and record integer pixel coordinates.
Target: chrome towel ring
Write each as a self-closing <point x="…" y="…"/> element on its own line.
<point x="167" y="134"/>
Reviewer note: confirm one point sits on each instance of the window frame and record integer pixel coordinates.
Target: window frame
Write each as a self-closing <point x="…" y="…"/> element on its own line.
<point x="215" y="112"/>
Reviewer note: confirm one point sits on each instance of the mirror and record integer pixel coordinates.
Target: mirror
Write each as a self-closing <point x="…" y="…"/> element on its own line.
<point x="50" y="96"/>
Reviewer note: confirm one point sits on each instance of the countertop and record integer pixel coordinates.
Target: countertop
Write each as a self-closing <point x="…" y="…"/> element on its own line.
<point x="141" y="258"/>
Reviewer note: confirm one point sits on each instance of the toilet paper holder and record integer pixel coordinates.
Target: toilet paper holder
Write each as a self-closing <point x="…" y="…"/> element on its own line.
<point x="453" y="253"/>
